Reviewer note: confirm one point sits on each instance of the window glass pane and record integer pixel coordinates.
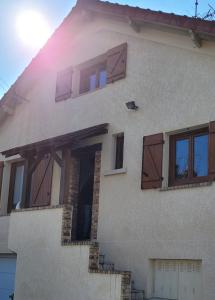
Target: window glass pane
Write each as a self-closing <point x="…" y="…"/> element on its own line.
<point x="182" y="159"/>
<point x="92" y="82"/>
<point x="17" y="194"/>
<point x="119" y="151"/>
<point x="102" y="78"/>
<point x="201" y="155"/>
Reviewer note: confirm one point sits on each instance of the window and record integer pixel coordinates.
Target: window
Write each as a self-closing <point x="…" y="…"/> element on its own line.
<point x="93" y="78"/>
<point x="16" y="185"/>
<point x="119" y="142"/>
<point x="189" y="157"/>
<point x="92" y="74"/>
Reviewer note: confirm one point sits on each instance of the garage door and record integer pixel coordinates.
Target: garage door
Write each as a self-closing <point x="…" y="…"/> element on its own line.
<point x="7" y="276"/>
<point x="177" y="280"/>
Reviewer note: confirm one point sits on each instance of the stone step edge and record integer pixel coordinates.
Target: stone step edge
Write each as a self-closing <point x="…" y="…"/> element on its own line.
<point x="109" y="272"/>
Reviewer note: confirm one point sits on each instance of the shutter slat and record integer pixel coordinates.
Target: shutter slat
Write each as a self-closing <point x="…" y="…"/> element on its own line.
<point x="41" y="183"/>
<point x="64" y="85"/>
<point x="211" y="151"/>
<point x="116" y="63"/>
<point x="152" y="161"/>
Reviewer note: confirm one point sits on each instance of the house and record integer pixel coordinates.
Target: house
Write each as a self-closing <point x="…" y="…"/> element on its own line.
<point x="108" y="160"/>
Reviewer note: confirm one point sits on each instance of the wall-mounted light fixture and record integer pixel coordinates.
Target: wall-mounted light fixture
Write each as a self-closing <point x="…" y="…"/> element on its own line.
<point x="131" y="105"/>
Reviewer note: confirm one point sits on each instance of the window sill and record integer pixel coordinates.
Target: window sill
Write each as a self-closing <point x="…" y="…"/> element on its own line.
<point x="186" y="186"/>
<point x="115" y="172"/>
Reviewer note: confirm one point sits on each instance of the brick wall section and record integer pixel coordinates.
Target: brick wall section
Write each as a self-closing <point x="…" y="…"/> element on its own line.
<point x="94" y="257"/>
<point x="70" y="200"/>
<point x="73" y="192"/>
<point x="66" y="223"/>
<point x="126" y="286"/>
<point x="95" y="208"/>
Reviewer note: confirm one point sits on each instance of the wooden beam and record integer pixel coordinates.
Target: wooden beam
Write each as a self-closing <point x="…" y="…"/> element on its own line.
<point x="57" y="142"/>
<point x="197" y="42"/>
<point x="34" y="164"/>
<point x="136" y="27"/>
<point x="26" y="189"/>
<point x="64" y="184"/>
<point x="57" y="158"/>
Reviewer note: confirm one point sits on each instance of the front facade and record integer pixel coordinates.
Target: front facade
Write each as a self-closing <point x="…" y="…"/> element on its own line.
<point x="108" y="161"/>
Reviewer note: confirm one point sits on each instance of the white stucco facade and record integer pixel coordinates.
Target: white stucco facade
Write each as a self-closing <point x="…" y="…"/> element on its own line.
<point x="173" y="84"/>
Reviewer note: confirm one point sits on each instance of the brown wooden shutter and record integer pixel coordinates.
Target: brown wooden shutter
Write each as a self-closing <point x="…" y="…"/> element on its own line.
<point x="152" y="161"/>
<point x="211" y="152"/>
<point x="64" y="85"/>
<point x="116" y="63"/>
<point x="1" y="174"/>
<point x="41" y="183"/>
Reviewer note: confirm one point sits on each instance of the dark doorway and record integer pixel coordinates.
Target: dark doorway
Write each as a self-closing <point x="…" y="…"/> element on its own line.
<point x="85" y="199"/>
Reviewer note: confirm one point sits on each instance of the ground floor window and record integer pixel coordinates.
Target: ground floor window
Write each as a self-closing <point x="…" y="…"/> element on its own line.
<point x="177" y="279"/>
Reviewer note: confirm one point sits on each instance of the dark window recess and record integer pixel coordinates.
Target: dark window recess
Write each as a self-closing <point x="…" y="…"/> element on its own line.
<point x="16" y="186"/>
<point x="189" y="157"/>
<point x="93" y="78"/>
<point x="64" y="85"/>
<point x="152" y="161"/>
<point x="119" y="151"/>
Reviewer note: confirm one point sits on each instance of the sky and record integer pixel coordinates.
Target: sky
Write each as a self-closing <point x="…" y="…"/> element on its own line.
<point x="16" y="55"/>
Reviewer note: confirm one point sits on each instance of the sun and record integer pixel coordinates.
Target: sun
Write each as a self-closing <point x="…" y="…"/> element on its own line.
<point x="33" y="28"/>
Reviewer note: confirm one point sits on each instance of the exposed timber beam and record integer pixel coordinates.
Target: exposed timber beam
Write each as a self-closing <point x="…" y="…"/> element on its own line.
<point x="197" y="42"/>
<point x="134" y="25"/>
<point x="8" y="110"/>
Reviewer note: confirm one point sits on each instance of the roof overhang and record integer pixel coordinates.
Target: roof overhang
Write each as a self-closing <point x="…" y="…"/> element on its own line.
<point x="58" y="142"/>
<point x="136" y="17"/>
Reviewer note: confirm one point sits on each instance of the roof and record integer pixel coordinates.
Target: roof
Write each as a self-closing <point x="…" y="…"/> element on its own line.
<point x="197" y="28"/>
<point x="146" y="15"/>
<point x="57" y="142"/>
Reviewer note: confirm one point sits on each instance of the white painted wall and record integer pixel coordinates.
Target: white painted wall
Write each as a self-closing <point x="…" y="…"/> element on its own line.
<point x="4" y="231"/>
<point x="173" y="85"/>
<point x="46" y="270"/>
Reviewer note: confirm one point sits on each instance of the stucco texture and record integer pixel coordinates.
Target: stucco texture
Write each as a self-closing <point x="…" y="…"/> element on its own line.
<point x="46" y="269"/>
<point x="173" y="85"/>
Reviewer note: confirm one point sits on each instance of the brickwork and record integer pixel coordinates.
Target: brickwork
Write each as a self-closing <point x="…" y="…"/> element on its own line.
<point x="66" y="223"/>
<point x="126" y="286"/>
<point x="95" y="208"/>
<point x="70" y="200"/>
<point x="94" y="257"/>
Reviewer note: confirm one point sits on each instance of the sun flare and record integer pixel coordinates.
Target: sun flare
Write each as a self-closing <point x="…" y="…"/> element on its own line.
<point x="33" y="28"/>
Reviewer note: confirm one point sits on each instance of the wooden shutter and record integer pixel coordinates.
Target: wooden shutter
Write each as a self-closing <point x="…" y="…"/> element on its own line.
<point x="41" y="183"/>
<point x="1" y="174"/>
<point x="152" y="161"/>
<point x="116" y="63"/>
<point x="211" y="152"/>
<point x="64" y="85"/>
<point x="84" y="81"/>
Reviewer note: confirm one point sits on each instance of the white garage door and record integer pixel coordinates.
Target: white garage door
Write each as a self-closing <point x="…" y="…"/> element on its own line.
<point x="7" y="277"/>
<point x="177" y="280"/>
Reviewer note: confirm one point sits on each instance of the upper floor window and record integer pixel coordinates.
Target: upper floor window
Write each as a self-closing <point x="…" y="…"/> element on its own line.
<point x="189" y="157"/>
<point x="92" y="75"/>
<point x="93" y="78"/>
